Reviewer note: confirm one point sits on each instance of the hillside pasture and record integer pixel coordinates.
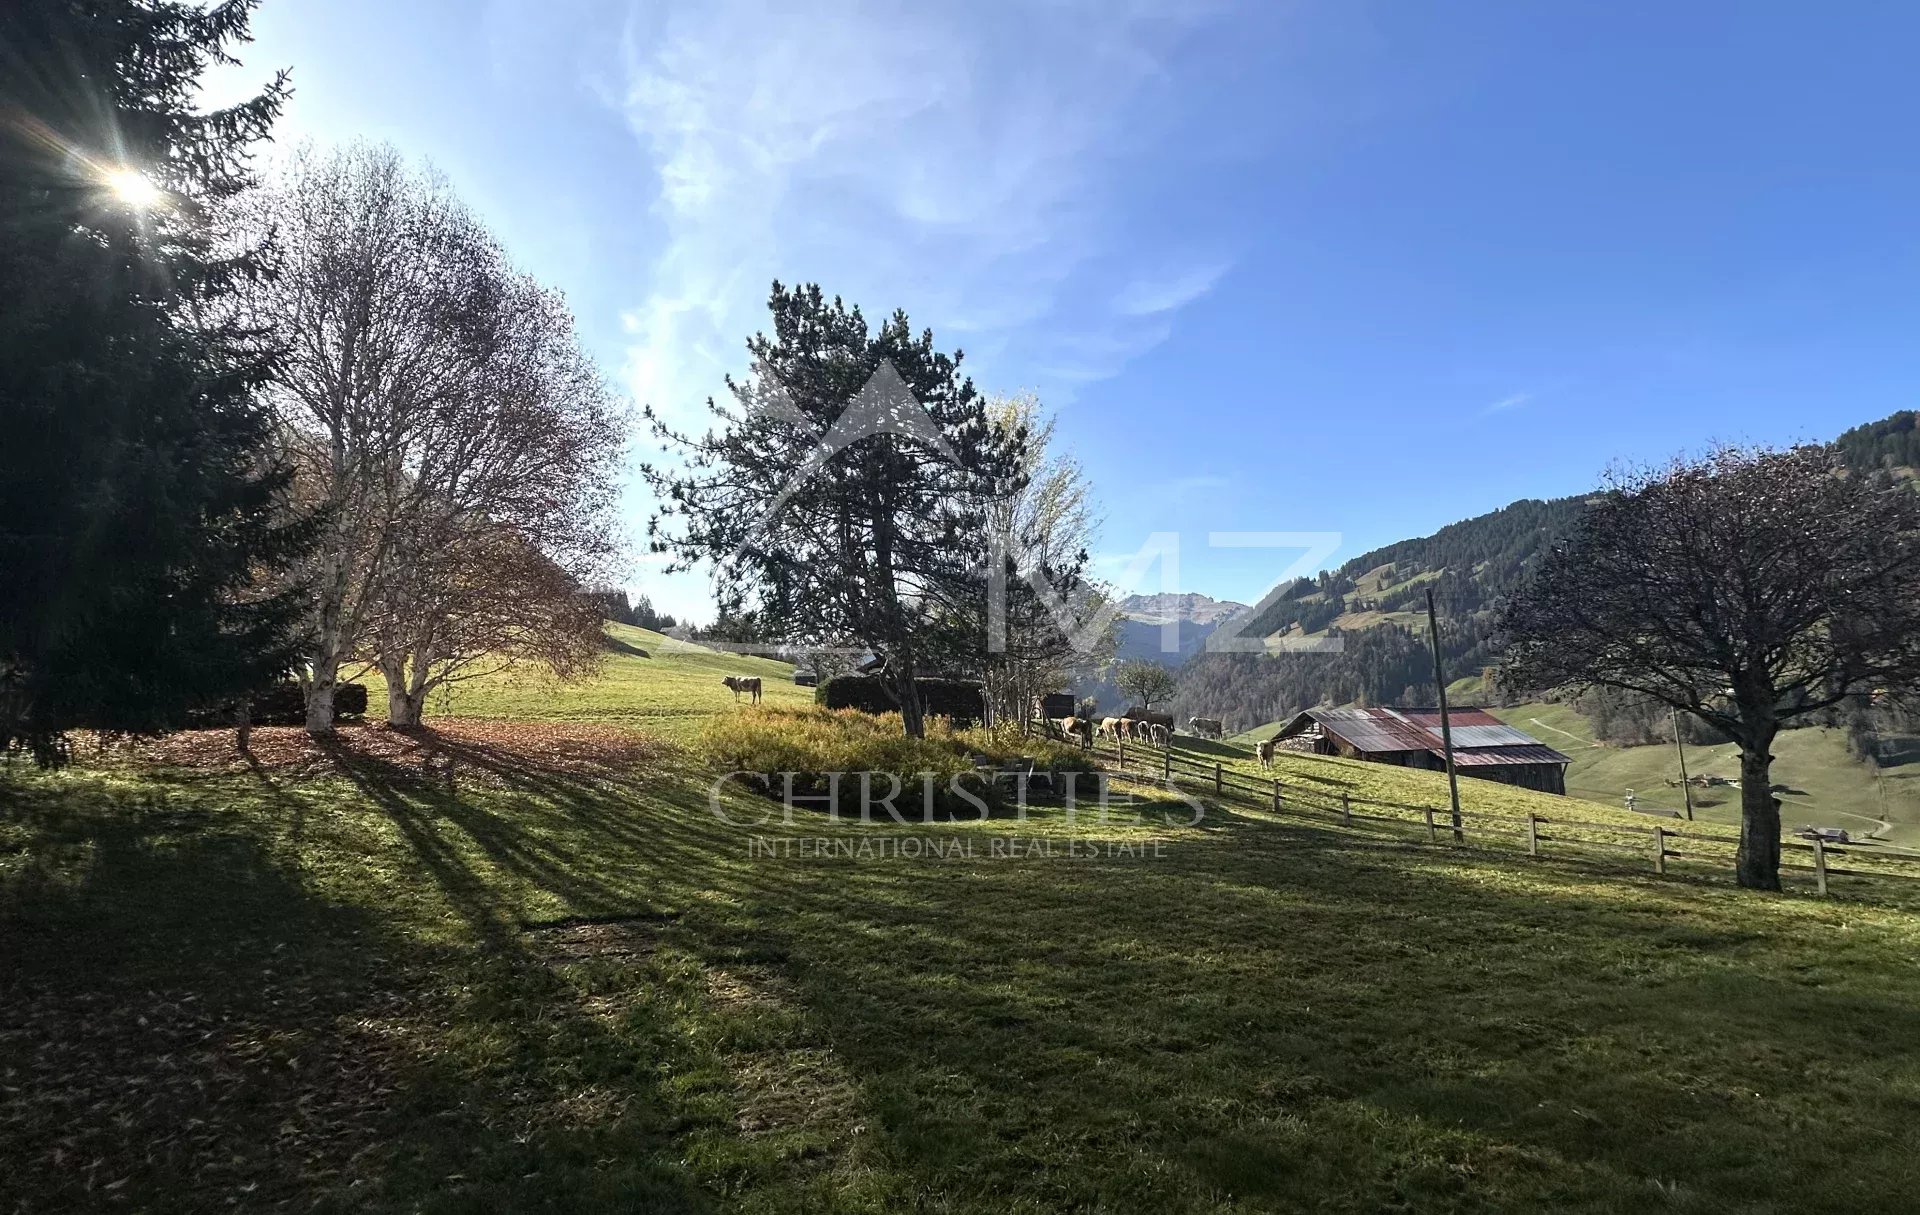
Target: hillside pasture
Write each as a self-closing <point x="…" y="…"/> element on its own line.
<point x="669" y="692"/>
<point x="586" y="992"/>
<point x="1825" y="784"/>
<point x="390" y="982"/>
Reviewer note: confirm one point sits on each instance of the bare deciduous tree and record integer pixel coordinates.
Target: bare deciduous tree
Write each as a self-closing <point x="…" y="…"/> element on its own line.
<point x="510" y="514"/>
<point x="482" y="602"/>
<point x="1045" y="522"/>
<point x="1748" y="588"/>
<point x="440" y="412"/>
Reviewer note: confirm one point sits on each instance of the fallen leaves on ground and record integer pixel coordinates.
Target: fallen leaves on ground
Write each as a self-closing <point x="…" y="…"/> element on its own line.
<point x="467" y="747"/>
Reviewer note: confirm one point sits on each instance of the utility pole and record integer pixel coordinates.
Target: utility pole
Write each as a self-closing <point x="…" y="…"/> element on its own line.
<point x="1446" y="729"/>
<point x="1685" y="788"/>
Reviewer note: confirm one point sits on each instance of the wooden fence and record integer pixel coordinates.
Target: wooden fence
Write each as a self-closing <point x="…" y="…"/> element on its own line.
<point x="1536" y="835"/>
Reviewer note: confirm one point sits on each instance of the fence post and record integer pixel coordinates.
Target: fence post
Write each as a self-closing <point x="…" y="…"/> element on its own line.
<point x="1346" y="810"/>
<point x="1659" y="849"/>
<point x="1216" y="778"/>
<point x="1276" y="795"/>
<point x="1166" y="764"/>
<point x="1533" y="835"/>
<point x="1120" y="748"/>
<point x="1433" y="836"/>
<point x="1819" y="865"/>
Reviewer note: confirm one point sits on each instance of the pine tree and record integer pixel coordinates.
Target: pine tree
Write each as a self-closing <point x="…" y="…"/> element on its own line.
<point x="137" y="502"/>
<point x="842" y="497"/>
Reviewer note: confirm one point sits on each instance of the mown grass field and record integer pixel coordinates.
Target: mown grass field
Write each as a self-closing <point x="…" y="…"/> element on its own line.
<point x="501" y="987"/>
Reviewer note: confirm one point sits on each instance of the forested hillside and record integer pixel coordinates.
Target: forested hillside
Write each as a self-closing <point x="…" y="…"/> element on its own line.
<point x="1891" y="444"/>
<point x="1375" y="605"/>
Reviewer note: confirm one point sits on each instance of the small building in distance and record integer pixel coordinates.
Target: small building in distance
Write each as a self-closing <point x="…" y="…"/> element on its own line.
<point x="1483" y="745"/>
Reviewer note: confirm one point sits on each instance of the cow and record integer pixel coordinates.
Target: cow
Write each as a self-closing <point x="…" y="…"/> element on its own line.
<point x="743" y="683"/>
<point x="1069" y="728"/>
<point x="1265" y="752"/>
<point x="1147" y="717"/>
<point x="1206" y="727"/>
<point x="1112" y="727"/>
<point x="1162" y="735"/>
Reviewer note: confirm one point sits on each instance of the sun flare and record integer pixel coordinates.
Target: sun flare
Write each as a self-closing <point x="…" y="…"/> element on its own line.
<point x="133" y="188"/>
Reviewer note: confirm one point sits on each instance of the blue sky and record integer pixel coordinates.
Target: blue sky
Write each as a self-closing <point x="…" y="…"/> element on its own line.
<point x="1365" y="268"/>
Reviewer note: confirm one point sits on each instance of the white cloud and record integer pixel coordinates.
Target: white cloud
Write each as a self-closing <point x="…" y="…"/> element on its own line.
<point x="1148" y="297"/>
<point x="947" y="162"/>
<point x="959" y="164"/>
<point x="1515" y="401"/>
<point x="1188" y="487"/>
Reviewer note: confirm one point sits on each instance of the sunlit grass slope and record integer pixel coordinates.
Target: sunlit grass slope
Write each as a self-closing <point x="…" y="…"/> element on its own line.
<point x="1826" y="785"/>
<point x="667" y="692"/>
<point x="374" y="993"/>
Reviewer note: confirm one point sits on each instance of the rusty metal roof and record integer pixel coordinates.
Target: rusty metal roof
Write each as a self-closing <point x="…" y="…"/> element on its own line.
<point x="1479" y="738"/>
<point x="1373" y="730"/>
<point x="1533" y="753"/>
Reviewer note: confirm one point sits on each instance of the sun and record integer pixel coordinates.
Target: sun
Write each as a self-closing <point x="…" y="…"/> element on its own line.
<point x="133" y="188"/>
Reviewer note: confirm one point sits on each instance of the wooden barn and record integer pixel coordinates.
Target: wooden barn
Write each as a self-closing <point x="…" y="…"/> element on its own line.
<point x="1483" y="746"/>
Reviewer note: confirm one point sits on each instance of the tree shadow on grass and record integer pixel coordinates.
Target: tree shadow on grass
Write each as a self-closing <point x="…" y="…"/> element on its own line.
<point x="191" y="1025"/>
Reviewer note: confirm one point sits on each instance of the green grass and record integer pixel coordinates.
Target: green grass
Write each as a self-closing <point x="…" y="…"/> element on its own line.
<point x="668" y="693"/>
<point x="523" y="990"/>
<point x="1825" y="784"/>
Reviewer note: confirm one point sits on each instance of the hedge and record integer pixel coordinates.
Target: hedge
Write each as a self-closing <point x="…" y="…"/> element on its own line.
<point x="959" y="699"/>
<point x="284" y="704"/>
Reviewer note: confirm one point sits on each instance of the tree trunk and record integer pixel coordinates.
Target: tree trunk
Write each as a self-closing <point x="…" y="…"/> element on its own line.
<point x="403" y="705"/>
<point x="329" y="646"/>
<point x="913" y="718"/>
<point x="1757" y="864"/>
<point x="326" y="674"/>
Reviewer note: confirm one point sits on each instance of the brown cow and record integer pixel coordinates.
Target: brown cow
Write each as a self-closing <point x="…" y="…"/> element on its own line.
<point x="1113" y="727"/>
<point x="1265" y="752"/>
<point x="743" y="683"/>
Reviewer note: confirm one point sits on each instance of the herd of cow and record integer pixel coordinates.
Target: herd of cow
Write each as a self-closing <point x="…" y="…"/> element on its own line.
<point x="1139" y="725"/>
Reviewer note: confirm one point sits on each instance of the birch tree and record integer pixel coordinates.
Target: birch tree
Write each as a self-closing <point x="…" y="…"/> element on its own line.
<point x="443" y="420"/>
<point x="509" y="515"/>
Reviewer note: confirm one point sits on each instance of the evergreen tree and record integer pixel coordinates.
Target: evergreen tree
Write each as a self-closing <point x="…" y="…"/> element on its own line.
<point x="137" y="506"/>
<point x="843" y="498"/>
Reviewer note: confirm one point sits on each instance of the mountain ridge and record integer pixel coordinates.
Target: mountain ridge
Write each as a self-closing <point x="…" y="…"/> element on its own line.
<point x="1374" y="604"/>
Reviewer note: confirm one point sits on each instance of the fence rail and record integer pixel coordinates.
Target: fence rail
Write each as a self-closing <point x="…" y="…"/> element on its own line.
<point x="1148" y="762"/>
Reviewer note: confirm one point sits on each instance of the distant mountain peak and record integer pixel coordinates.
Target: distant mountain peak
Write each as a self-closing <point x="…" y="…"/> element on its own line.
<point x="1178" y="605"/>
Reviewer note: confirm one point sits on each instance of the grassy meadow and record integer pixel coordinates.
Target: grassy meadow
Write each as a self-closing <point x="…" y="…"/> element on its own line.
<point x="1825" y="784"/>
<point x="466" y="980"/>
<point x="669" y="691"/>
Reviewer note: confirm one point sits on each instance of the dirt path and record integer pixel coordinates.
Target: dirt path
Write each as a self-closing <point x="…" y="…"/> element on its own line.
<point x="1557" y="730"/>
<point x="1880" y="825"/>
